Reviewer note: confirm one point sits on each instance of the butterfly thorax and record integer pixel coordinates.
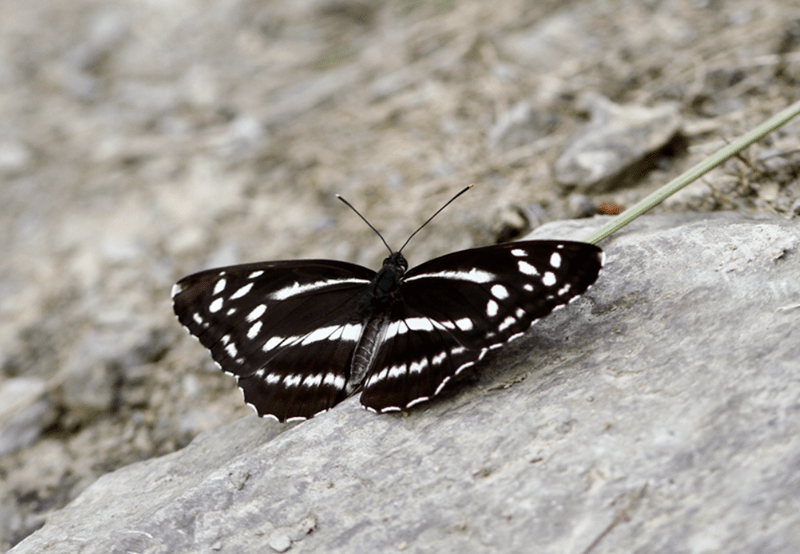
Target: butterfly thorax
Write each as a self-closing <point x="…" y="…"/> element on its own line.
<point x="384" y="290"/>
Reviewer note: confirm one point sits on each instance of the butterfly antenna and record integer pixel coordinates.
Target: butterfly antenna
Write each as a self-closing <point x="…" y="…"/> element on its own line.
<point x="434" y="215"/>
<point x="367" y="222"/>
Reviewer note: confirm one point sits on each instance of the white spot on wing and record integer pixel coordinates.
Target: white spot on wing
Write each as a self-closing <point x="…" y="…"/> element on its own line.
<point x="254" y="330"/>
<point x="242" y="291"/>
<point x="322" y="333"/>
<point x="528" y="287"/>
<point x="564" y="290"/>
<point x="349" y="332"/>
<point x="297" y="288"/>
<point x="419" y="324"/>
<point x="395" y="328"/>
<point x="499" y="292"/>
<point x="417" y="367"/>
<point x="474" y="275"/>
<point x="255" y="274"/>
<point x="197" y="319"/>
<point x="549" y="278"/>
<point x="441" y="386"/>
<point x="257" y="312"/>
<point x="292" y="380"/>
<point x="333" y="380"/>
<point x="215" y="306"/>
<point x="176" y="289"/>
<point x="231" y="350"/>
<point x="220" y="286"/>
<point x="526" y="268"/>
<point x="518" y="252"/>
<point x="507" y="322"/>
<point x="273" y="378"/>
<point x="398" y="371"/>
<point x="491" y="308"/>
<point x="439" y="358"/>
<point x="465" y="324"/>
<point x="555" y="260"/>
<point x="417" y="401"/>
<point x="312" y="381"/>
<point x="468" y="364"/>
<point x="272" y="343"/>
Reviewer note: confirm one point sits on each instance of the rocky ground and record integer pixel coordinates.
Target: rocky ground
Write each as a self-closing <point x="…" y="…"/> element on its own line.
<point x="143" y="141"/>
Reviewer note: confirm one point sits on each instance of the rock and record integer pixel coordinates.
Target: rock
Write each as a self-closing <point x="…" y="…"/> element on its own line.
<point x="546" y="45"/>
<point x="660" y="408"/>
<point x="25" y="411"/>
<point x="104" y="365"/>
<point x="617" y="145"/>
<point x="520" y="125"/>
<point x="244" y="137"/>
<point x="15" y="158"/>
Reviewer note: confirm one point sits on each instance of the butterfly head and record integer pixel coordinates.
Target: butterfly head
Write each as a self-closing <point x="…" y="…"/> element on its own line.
<point x="397" y="262"/>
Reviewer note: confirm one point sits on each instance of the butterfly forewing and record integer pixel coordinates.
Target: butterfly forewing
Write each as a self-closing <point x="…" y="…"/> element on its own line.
<point x="457" y="307"/>
<point x="286" y="330"/>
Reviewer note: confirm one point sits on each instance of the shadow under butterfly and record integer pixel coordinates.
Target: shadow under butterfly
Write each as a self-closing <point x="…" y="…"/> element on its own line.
<point x="300" y="336"/>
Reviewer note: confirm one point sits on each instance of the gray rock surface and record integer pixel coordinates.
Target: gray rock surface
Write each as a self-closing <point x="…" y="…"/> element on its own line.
<point x="520" y="125"/>
<point x="617" y="146"/>
<point x="659" y="413"/>
<point x="25" y="411"/>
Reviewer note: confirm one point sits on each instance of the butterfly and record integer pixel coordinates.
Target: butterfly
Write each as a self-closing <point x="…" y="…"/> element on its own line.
<point x="300" y="336"/>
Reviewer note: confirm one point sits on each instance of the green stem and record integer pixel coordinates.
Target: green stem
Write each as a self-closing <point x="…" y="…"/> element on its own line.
<point x="695" y="173"/>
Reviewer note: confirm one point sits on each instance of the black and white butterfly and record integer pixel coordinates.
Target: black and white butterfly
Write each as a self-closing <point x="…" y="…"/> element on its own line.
<point x="300" y="336"/>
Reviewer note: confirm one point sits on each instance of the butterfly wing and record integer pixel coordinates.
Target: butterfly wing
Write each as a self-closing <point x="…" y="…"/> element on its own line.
<point x="284" y="329"/>
<point x="457" y="307"/>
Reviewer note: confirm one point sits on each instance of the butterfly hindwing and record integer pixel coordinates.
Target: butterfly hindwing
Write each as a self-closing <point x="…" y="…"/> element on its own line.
<point x="414" y="361"/>
<point x="459" y="306"/>
<point x="284" y="329"/>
